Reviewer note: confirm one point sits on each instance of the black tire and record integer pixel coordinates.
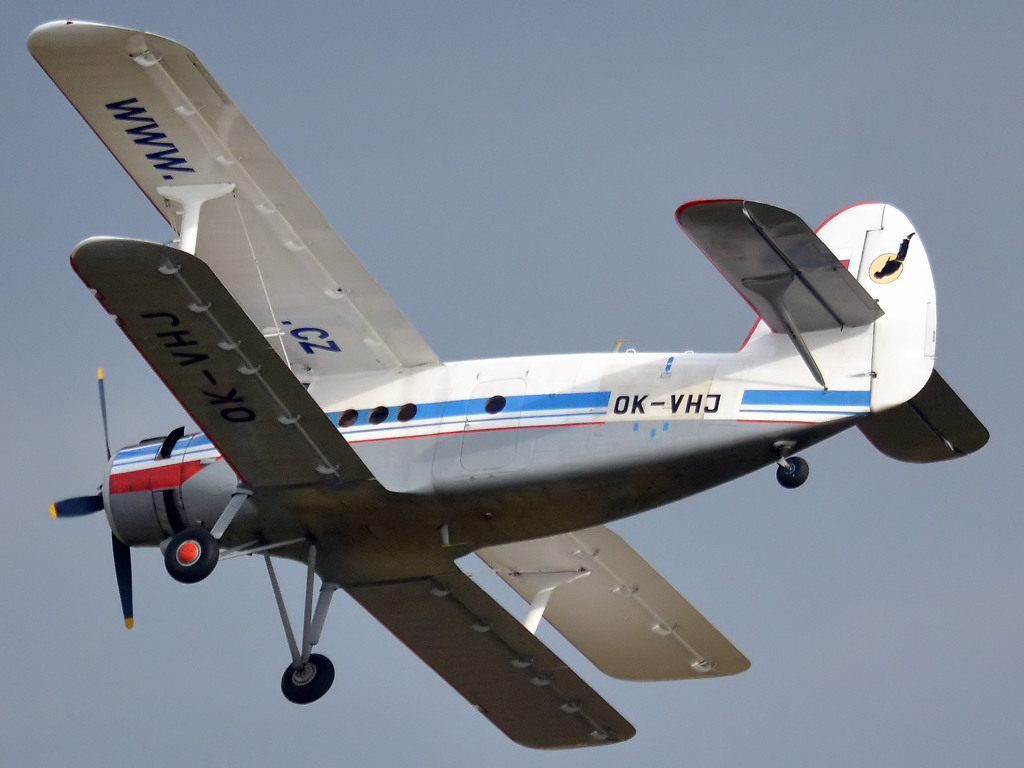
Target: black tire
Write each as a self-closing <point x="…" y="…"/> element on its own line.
<point x="189" y="570"/>
<point x="306" y="685"/>
<point x="795" y="475"/>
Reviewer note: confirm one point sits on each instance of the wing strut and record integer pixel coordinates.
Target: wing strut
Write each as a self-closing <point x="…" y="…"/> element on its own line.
<point x="191" y="197"/>
<point x="801" y="347"/>
<point x="547" y="583"/>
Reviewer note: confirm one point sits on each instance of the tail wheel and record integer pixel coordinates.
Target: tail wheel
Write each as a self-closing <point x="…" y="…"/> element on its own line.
<point x="308" y="682"/>
<point x="794" y="475"/>
<point x="191" y="555"/>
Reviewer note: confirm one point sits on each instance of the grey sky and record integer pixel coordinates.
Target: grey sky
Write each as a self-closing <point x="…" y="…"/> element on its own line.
<point x="509" y="173"/>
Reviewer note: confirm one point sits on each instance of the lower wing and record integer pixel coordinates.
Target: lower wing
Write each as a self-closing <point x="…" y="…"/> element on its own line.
<point x="502" y="669"/>
<point x="614" y="607"/>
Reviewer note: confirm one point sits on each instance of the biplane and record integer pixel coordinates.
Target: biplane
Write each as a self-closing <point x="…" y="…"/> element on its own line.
<point x="333" y="435"/>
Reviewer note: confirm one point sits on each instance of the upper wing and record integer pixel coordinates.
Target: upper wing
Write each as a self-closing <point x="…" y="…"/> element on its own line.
<point x="618" y="611"/>
<point x="510" y="676"/>
<point x="170" y="125"/>
<point x="777" y="263"/>
<point x="221" y="369"/>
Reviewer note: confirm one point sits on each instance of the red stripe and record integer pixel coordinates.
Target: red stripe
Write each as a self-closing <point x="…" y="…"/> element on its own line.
<point x="844" y="210"/>
<point x="774" y="421"/>
<point x="357" y="438"/>
<point x="154" y="478"/>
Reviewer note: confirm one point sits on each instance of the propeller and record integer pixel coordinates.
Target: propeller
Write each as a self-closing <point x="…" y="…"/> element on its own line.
<point x="123" y="570"/>
<point x="77" y="506"/>
<point x="103" y="411"/>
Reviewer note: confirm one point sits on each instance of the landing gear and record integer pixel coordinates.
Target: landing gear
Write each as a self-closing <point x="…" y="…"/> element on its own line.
<point x="191" y="555"/>
<point x="793" y="473"/>
<point x="310" y="675"/>
<point x="310" y="681"/>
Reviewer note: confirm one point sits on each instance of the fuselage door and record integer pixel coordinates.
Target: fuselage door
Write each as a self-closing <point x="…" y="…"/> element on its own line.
<point x="493" y="415"/>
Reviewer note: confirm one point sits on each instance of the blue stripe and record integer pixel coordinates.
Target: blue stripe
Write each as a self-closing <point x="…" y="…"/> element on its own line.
<point x="139" y="454"/>
<point x="830" y="397"/>
<point x="551" y="402"/>
<point x="514" y="406"/>
<point x="801" y="412"/>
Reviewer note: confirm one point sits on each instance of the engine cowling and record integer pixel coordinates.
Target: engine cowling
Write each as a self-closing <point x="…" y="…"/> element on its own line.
<point x="148" y="496"/>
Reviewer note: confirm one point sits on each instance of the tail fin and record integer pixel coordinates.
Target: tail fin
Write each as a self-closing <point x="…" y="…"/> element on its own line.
<point x="889" y="261"/>
<point x="857" y="302"/>
<point x="915" y="415"/>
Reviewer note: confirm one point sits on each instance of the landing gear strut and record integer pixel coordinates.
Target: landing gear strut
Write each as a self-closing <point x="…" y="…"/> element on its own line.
<point x="310" y="675"/>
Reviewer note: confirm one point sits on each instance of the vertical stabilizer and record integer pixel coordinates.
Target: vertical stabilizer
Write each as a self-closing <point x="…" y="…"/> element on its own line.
<point x="888" y="258"/>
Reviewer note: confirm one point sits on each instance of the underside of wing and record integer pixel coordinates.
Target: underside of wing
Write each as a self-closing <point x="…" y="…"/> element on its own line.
<point x="175" y="131"/>
<point x="503" y="670"/>
<point x="219" y="366"/>
<point x="779" y="265"/>
<point x="614" y="607"/>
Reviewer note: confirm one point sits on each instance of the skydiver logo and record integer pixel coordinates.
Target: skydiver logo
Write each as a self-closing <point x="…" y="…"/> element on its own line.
<point x="147" y="133"/>
<point x="889" y="266"/>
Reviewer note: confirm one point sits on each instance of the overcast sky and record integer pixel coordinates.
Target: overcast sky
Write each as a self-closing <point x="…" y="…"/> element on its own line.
<point x="509" y="173"/>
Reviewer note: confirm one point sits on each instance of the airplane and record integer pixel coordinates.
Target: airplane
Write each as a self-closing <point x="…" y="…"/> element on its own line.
<point x="334" y="436"/>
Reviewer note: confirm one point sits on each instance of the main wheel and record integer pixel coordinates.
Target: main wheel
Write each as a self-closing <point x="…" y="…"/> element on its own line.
<point x="795" y="475"/>
<point x="309" y="682"/>
<point x="191" y="555"/>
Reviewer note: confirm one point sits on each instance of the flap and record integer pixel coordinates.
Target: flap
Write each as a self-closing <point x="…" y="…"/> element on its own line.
<point x="221" y="369"/>
<point x="779" y="265"/>
<point x="503" y="670"/>
<point x="167" y="121"/>
<point x="935" y="424"/>
<point x="622" y="614"/>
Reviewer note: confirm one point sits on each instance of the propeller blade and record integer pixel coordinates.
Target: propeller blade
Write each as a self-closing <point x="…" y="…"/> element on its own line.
<point x="103" y="411"/>
<point x="77" y="506"/>
<point x="123" y="570"/>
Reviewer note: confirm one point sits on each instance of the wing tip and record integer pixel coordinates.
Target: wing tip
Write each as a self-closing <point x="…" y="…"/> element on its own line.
<point x="695" y="203"/>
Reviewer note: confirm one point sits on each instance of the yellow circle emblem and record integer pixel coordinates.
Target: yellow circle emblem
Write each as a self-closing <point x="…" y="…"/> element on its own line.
<point x="886" y="268"/>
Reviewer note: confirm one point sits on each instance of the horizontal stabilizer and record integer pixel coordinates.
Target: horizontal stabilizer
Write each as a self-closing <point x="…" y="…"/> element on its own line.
<point x="615" y="608"/>
<point x="510" y="676"/>
<point x="214" y="360"/>
<point x="933" y="425"/>
<point x="779" y="265"/>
